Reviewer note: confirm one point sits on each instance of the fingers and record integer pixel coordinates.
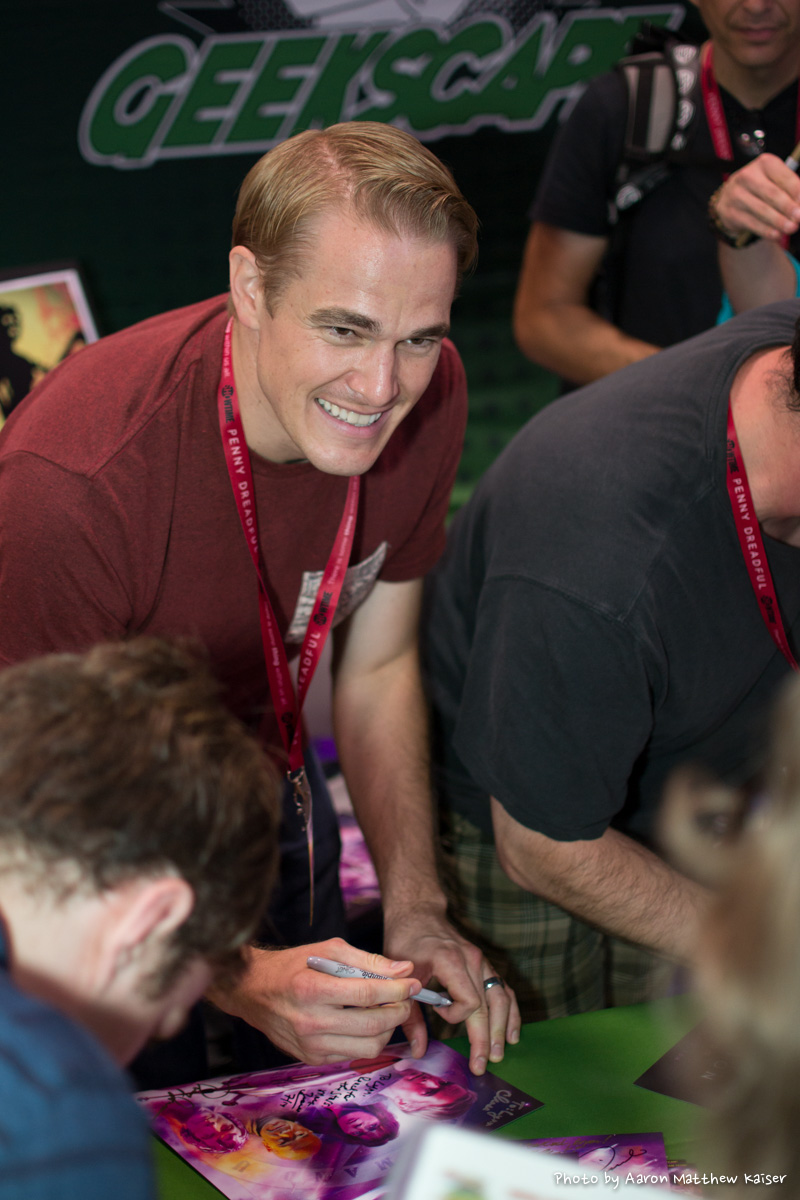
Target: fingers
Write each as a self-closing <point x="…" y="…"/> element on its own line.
<point x="514" y="1023"/>
<point x="350" y="1018"/>
<point x="457" y="965"/>
<point x="366" y="1023"/>
<point x="391" y="983"/>
<point x="494" y="1023"/>
<point x="337" y="1047"/>
<point x="330" y="1033"/>
<point x="416" y="1032"/>
<point x="341" y="951"/>
<point x="318" y="989"/>
<point x="762" y="198"/>
<point x="487" y="1026"/>
<point x="491" y="1016"/>
<point x="478" y="1033"/>
<point x="316" y="1017"/>
<point x="498" y="999"/>
<point x="460" y="967"/>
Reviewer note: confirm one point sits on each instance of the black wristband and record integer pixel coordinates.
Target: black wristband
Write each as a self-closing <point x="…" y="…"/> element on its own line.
<point x="737" y="240"/>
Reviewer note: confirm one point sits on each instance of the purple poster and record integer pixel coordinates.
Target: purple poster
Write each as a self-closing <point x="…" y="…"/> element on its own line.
<point x="323" y="1131"/>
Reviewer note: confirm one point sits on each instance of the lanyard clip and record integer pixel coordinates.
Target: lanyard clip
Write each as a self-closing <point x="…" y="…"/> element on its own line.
<point x="301" y="794"/>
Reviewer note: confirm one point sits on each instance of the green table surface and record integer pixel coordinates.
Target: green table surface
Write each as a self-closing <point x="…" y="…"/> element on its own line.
<point x="583" y="1068"/>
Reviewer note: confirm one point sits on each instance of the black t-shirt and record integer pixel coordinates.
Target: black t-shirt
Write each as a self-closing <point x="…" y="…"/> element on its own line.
<point x="592" y="623"/>
<point x="661" y="280"/>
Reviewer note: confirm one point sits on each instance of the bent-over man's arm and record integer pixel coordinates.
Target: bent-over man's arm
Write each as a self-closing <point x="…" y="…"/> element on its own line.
<point x="612" y="882"/>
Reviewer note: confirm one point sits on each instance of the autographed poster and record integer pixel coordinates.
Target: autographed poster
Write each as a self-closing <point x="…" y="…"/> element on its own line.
<point x="319" y="1132"/>
<point x="637" y="1156"/>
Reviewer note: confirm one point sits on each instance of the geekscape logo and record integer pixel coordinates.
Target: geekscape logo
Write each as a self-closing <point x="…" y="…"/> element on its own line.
<point x="168" y="97"/>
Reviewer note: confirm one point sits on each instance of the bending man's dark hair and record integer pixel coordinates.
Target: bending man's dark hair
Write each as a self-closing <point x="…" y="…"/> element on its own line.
<point x="123" y="762"/>
<point x="794" y="402"/>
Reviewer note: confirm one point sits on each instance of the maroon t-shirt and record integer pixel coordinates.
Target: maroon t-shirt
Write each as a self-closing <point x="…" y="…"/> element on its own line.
<point x="117" y="514"/>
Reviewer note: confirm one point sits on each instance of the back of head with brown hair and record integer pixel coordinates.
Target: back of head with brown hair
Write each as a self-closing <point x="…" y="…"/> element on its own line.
<point x="389" y="178"/>
<point x="123" y="763"/>
<point x="748" y="955"/>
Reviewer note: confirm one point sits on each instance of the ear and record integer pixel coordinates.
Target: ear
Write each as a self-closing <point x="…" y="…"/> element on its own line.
<point x="143" y="916"/>
<point x="246" y="287"/>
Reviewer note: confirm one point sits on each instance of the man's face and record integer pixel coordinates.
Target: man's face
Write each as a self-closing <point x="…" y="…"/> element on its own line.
<point x="431" y="1087"/>
<point x="289" y="1139"/>
<point x="358" y="1123"/>
<point x="168" y="1013"/>
<point x="214" y="1131"/>
<point x="350" y="346"/>
<point x="9" y="320"/>
<point x="757" y="34"/>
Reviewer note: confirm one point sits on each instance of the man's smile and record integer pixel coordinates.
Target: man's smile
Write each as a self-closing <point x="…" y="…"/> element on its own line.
<point x="347" y="415"/>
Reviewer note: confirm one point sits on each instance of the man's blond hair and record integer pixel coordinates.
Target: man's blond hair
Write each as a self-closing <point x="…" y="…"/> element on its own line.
<point x="386" y="175"/>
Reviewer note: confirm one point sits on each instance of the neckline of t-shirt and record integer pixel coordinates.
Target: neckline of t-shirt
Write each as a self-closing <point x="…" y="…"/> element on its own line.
<point x="721" y="381"/>
<point x="718" y="418"/>
<point x="733" y="105"/>
<point x="283" y="470"/>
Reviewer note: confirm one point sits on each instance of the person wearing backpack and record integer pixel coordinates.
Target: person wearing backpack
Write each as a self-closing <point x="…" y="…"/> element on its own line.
<point x="621" y="259"/>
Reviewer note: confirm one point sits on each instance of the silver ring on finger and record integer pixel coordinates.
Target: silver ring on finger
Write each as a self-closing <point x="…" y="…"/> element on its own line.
<point x="493" y="981"/>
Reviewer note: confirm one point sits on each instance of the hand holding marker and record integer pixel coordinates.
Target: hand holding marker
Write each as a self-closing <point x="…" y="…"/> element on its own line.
<point x="328" y="967"/>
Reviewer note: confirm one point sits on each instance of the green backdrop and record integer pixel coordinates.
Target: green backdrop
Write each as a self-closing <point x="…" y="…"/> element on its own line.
<point x="129" y="125"/>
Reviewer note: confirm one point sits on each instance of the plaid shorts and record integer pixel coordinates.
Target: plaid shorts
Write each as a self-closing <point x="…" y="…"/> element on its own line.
<point x="557" y="965"/>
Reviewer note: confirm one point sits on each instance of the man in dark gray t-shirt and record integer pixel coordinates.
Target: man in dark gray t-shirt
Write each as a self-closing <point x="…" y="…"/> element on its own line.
<point x="591" y="626"/>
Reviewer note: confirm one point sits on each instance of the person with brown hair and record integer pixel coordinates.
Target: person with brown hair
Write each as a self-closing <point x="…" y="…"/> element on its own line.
<point x="138" y="842"/>
<point x="746" y="961"/>
<point x="196" y="473"/>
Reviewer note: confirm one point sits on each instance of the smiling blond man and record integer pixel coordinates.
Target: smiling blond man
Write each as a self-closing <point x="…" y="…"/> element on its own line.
<point x="193" y="475"/>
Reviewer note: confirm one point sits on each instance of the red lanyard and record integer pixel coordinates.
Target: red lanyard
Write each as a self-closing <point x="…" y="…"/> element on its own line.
<point x="715" y="114"/>
<point x="752" y="544"/>
<point x="287" y="708"/>
<point x="712" y="103"/>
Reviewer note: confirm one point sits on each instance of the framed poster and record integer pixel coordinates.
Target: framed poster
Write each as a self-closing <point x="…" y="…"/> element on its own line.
<point x="45" y="315"/>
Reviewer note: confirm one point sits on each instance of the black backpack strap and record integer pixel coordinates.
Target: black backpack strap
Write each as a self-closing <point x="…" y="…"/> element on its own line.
<point x="652" y="105"/>
<point x="663" y="86"/>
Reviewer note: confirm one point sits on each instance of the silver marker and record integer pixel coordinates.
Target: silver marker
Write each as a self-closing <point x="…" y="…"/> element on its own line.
<point x="792" y="161"/>
<point x="329" y="967"/>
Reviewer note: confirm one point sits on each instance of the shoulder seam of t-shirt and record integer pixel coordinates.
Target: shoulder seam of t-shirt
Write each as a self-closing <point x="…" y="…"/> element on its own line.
<point x="558" y="833"/>
<point x="622" y="618"/>
<point x="66" y="469"/>
<point x="622" y="623"/>
<point x="155" y="414"/>
<point x="129" y="435"/>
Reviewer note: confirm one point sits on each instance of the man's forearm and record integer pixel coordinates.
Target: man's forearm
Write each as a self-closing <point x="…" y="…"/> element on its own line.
<point x="612" y="882"/>
<point x="381" y="735"/>
<point x="575" y="342"/>
<point x="553" y="323"/>
<point x="755" y="275"/>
